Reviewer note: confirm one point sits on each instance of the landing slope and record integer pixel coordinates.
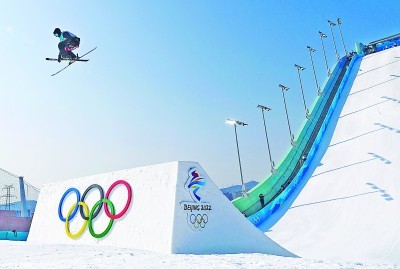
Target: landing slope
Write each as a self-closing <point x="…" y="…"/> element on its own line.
<point x="350" y="207"/>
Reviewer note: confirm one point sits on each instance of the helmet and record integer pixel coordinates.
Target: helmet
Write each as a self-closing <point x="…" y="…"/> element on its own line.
<point x="57" y="32"/>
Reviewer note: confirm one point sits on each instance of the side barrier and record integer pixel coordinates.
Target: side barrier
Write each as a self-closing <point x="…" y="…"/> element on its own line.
<point x="387" y="45"/>
<point x="13" y="235"/>
<point x="275" y="183"/>
<point x="269" y="215"/>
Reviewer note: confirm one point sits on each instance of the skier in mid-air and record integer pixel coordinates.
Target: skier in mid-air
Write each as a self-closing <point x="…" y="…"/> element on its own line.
<point x="68" y="42"/>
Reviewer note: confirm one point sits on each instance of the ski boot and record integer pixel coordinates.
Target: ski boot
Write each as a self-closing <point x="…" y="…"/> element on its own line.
<point x="72" y="57"/>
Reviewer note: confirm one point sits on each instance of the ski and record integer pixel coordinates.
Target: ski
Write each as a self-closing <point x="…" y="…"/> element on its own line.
<point x="73" y="61"/>
<point x="78" y="60"/>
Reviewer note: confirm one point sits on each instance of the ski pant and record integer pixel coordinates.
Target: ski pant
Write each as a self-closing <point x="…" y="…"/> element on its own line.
<point x="67" y="46"/>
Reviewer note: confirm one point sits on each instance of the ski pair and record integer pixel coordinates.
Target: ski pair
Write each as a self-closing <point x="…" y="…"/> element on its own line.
<point x="78" y="59"/>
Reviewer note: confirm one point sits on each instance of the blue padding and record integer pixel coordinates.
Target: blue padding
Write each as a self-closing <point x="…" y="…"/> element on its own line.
<point x="13" y="236"/>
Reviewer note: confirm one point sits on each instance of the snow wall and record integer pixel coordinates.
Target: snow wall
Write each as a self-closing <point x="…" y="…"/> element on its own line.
<point x="169" y="208"/>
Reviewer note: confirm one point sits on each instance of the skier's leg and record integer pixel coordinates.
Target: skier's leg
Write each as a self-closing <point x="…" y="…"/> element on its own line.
<point x="71" y="55"/>
<point x="61" y="47"/>
<point x="74" y="44"/>
<point x="67" y="52"/>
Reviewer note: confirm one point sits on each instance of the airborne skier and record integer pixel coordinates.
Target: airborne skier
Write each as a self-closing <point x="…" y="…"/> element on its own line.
<point x="68" y="42"/>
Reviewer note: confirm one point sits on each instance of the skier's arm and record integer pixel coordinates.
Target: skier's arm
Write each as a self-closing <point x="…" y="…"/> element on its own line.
<point x="67" y="36"/>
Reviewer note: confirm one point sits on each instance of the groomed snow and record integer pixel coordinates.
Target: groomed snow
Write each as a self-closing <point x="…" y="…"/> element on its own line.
<point x="25" y="256"/>
<point x="349" y="209"/>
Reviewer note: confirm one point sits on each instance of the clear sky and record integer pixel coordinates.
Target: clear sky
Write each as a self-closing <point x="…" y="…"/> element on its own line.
<point x="165" y="77"/>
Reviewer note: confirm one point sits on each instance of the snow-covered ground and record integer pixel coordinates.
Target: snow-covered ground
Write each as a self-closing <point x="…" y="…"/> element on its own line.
<point x="24" y="255"/>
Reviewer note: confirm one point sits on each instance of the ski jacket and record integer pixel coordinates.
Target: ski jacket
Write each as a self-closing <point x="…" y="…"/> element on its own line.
<point x="66" y="36"/>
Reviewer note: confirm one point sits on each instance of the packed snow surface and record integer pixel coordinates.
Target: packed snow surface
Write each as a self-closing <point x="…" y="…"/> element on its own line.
<point x="23" y="255"/>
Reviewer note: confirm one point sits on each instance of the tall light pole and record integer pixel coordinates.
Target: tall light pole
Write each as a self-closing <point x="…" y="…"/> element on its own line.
<point x="264" y="108"/>
<point x="234" y="123"/>
<point x="300" y="68"/>
<point x="333" y="38"/>
<point x="322" y="35"/>
<point x="339" y="22"/>
<point x="311" y="50"/>
<point x="284" y="88"/>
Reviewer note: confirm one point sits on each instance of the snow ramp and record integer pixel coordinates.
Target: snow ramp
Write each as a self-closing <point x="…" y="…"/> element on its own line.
<point x="349" y="208"/>
<point x="169" y="208"/>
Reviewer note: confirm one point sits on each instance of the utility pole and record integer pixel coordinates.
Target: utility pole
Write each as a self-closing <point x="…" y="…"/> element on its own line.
<point x="8" y="195"/>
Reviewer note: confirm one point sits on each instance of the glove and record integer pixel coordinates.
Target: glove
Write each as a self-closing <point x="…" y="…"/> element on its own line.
<point x="59" y="58"/>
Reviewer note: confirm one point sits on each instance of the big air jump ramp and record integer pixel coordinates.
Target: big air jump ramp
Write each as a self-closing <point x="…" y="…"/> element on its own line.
<point x="169" y="208"/>
<point x="349" y="208"/>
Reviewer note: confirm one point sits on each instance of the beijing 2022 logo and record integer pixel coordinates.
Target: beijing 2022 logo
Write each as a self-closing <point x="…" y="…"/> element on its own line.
<point x="194" y="183"/>
<point x="198" y="210"/>
<point x="94" y="212"/>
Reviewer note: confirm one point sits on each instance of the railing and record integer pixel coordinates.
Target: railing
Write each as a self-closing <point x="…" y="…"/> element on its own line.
<point x="382" y="40"/>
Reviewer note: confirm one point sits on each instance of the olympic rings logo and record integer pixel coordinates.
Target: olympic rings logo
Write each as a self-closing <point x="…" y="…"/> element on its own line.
<point x="199" y="220"/>
<point x="89" y="216"/>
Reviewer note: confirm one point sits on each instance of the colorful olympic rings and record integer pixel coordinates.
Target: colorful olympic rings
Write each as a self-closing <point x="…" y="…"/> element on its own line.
<point x="80" y="232"/>
<point x="89" y="216"/>
<point x="110" y="223"/>
<point x="78" y="196"/>
<point x="128" y="202"/>
<point x="83" y="200"/>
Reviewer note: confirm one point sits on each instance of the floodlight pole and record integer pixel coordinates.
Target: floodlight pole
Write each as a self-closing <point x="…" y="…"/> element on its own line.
<point x="339" y="22"/>
<point x="322" y="35"/>
<point x="333" y="38"/>
<point x="284" y="88"/>
<point x="264" y="108"/>
<point x="301" y="87"/>
<point x="311" y="50"/>
<point x="234" y="123"/>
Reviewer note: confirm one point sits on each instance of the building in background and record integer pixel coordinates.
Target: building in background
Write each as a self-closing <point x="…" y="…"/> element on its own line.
<point x="18" y="201"/>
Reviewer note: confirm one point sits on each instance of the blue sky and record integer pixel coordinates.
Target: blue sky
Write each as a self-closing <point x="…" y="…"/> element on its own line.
<point x="165" y="77"/>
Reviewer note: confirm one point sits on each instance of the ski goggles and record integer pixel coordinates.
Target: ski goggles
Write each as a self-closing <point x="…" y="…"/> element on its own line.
<point x="56" y="35"/>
